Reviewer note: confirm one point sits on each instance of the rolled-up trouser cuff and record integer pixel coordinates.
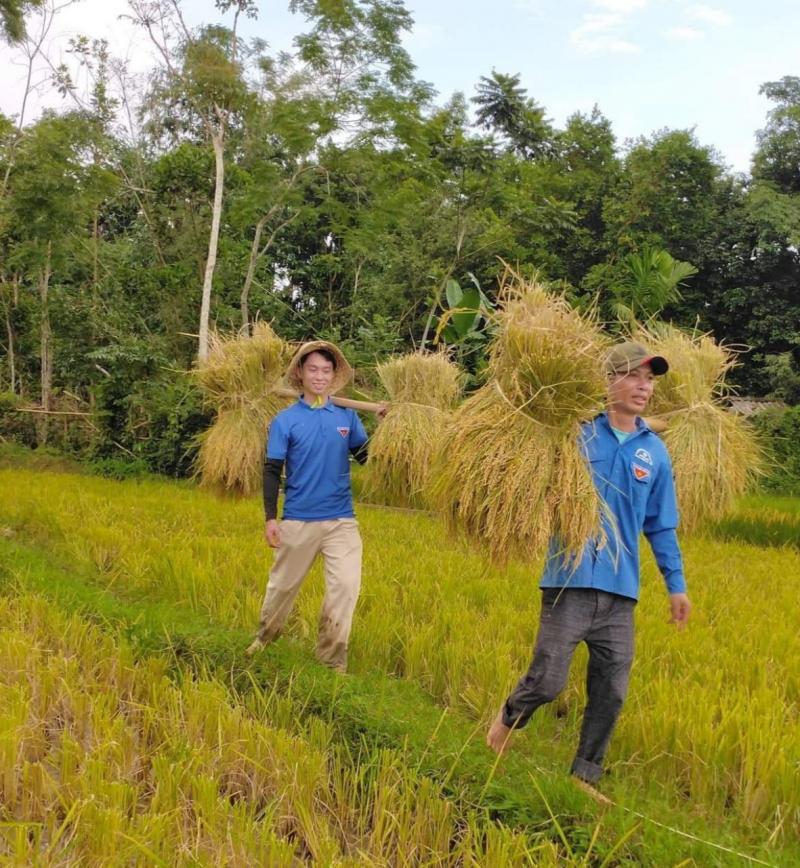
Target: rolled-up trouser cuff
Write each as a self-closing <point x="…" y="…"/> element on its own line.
<point x="514" y="721"/>
<point x="586" y="771"/>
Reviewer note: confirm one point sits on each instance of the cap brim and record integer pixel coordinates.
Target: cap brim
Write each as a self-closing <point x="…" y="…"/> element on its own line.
<point x="658" y="365"/>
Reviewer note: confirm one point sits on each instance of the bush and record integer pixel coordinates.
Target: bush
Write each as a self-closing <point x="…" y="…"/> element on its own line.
<point x="119" y="468"/>
<point x="20" y="427"/>
<point x="165" y="415"/>
<point x="781" y="434"/>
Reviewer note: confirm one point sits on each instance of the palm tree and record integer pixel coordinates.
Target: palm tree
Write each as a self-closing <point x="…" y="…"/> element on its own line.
<point x="651" y="281"/>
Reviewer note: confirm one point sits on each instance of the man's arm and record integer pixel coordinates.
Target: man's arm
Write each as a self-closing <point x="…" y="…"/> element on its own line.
<point x="661" y="521"/>
<point x="274" y="457"/>
<point x="360" y="453"/>
<point x="357" y="442"/>
<point x="273" y="468"/>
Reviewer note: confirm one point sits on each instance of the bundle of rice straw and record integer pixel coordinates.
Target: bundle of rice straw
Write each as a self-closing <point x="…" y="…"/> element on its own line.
<point x="715" y="454"/>
<point x="237" y="380"/>
<point x="423" y="389"/>
<point x="510" y="473"/>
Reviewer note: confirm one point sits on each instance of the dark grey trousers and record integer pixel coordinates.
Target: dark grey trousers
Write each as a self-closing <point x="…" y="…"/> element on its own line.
<point x="605" y="623"/>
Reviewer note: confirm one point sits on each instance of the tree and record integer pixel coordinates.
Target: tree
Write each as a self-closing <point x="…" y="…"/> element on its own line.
<point x="505" y="108"/>
<point x="204" y="74"/>
<point x="12" y="18"/>
<point x="650" y="281"/>
<point x="354" y="63"/>
<point x="778" y="156"/>
<point x="52" y="192"/>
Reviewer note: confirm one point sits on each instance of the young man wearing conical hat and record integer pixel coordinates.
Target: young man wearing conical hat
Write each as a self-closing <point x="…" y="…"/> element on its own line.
<point x="594" y="602"/>
<point x="313" y="439"/>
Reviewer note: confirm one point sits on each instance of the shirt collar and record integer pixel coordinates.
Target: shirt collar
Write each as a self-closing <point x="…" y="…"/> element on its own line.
<point x="641" y="425"/>
<point x="328" y="405"/>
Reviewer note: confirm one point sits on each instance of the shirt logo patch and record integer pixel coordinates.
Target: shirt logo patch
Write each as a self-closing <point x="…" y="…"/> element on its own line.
<point x="641" y="473"/>
<point x="644" y="455"/>
<point x="343" y="431"/>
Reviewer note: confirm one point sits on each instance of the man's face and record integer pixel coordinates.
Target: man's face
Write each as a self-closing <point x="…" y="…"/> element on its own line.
<point x="629" y="393"/>
<point x="317" y="374"/>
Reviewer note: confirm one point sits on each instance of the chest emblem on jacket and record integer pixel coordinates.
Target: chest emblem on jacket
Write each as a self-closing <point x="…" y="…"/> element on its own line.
<point x="644" y="455"/>
<point x="640" y="473"/>
<point x="344" y="432"/>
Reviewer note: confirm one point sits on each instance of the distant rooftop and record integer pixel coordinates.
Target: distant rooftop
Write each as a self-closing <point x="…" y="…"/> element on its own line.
<point x="750" y="406"/>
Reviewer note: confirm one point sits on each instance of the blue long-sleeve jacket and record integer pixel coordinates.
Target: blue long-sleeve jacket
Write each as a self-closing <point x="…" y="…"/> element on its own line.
<point x="634" y="478"/>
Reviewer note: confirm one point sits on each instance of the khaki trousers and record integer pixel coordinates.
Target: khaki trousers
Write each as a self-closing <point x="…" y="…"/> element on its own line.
<point x="339" y="542"/>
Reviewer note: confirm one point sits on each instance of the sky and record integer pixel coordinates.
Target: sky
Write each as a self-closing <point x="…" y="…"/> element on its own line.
<point x="647" y="64"/>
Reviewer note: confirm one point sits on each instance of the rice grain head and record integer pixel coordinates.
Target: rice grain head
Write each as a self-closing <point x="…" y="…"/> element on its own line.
<point x="508" y="484"/>
<point x="423" y="388"/>
<point x="716" y="456"/>
<point x="237" y="379"/>
<point x="231" y="455"/>
<point x="243" y="370"/>
<point x="547" y="356"/>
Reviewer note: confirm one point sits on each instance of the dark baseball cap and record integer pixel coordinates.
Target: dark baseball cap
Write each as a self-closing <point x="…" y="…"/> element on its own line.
<point x="626" y="357"/>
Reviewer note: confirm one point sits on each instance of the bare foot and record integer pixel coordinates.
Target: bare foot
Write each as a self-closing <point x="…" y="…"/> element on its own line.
<point x="499" y="734"/>
<point x="255" y="646"/>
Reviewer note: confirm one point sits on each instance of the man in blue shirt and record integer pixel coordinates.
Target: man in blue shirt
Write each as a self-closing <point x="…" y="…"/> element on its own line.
<point x="594" y="602"/>
<point x="313" y="439"/>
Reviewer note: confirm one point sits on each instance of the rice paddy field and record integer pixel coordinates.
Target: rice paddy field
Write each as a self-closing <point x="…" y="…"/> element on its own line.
<point x="133" y="731"/>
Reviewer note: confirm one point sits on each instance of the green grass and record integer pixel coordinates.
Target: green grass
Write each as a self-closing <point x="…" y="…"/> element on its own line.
<point x="762" y="520"/>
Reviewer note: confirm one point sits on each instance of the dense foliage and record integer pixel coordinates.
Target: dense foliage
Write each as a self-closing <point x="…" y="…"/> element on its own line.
<point x="332" y="193"/>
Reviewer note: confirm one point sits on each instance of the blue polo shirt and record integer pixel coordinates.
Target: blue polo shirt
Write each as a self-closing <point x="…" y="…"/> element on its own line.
<point x="634" y="478"/>
<point x="316" y="444"/>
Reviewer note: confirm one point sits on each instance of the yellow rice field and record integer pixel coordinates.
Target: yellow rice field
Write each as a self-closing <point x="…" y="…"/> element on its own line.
<point x="711" y="723"/>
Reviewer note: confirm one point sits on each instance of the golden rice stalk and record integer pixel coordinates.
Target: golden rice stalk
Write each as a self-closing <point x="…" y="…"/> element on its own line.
<point x="697" y="367"/>
<point x="237" y="379"/>
<point x="509" y="483"/>
<point x="547" y="356"/>
<point x="423" y="388"/>
<point x="231" y="455"/>
<point x="243" y="370"/>
<point x="431" y="379"/>
<point x="574" y="502"/>
<point x="716" y="455"/>
<point x="511" y="473"/>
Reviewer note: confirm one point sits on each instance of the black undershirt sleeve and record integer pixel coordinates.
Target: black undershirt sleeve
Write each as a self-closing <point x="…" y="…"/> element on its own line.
<point x="360" y="453"/>
<point x="273" y="468"/>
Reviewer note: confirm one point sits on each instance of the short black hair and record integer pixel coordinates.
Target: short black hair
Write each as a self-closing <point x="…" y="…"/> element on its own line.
<point x="326" y="354"/>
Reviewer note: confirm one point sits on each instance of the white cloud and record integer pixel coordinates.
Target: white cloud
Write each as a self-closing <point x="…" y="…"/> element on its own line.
<point x="684" y="34"/>
<point x="603" y="32"/>
<point x="709" y="15"/>
<point x="599" y="34"/>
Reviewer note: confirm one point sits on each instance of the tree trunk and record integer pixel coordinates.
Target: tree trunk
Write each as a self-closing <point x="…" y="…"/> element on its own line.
<point x="46" y="349"/>
<point x="12" y="359"/>
<point x="255" y="255"/>
<point x="251" y="271"/>
<point x="217" y="140"/>
<point x="95" y="251"/>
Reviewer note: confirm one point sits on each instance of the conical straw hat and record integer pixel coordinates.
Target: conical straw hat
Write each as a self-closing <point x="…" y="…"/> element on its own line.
<point x="342" y="375"/>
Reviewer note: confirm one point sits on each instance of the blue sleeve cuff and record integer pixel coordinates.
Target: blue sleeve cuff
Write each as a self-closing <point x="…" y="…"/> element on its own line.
<point x="676" y="583"/>
<point x="664" y="544"/>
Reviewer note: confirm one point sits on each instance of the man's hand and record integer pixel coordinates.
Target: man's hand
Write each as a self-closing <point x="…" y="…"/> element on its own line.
<point x="680" y="608"/>
<point x="380" y="413"/>
<point x="272" y="533"/>
<point x="499" y="734"/>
